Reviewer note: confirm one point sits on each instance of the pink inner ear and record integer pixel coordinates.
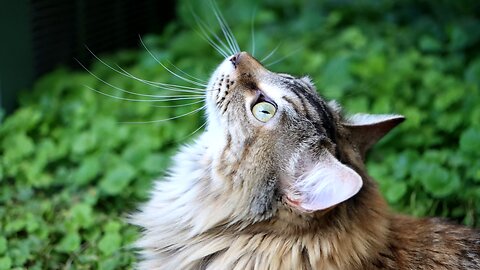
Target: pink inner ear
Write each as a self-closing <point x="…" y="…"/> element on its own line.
<point x="327" y="184"/>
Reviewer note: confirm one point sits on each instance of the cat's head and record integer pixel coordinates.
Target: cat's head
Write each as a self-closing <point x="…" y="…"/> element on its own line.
<point x="278" y="144"/>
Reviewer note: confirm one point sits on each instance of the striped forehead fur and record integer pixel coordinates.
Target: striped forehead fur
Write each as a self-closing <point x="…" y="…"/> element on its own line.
<point x="317" y="110"/>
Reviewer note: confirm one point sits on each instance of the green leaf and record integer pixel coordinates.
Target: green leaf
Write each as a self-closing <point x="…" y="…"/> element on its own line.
<point x="84" y="143"/>
<point x="470" y="141"/>
<point x="336" y="76"/>
<point x="16" y="147"/>
<point x="82" y="214"/>
<point x="458" y="38"/>
<point x="472" y="73"/>
<point x="108" y="264"/>
<point x="3" y="245"/>
<point x="110" y="243"/>
<point x="23" y="120"/>
<point x="436" y="180"/>
<point x="155" y="163"/>
<point x="117" y="179"/>
<point x="13" y="226"/>
<point x="5" y="263"/>
<point x="69" y="243"/>
<point x="88" y="170"/>
<point x="395" y="191"/>
<point x="112" y="227"/>
<point x="430" y="44"/>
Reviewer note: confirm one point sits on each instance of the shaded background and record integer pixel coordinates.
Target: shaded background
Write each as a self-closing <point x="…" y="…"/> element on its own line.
<point x="40" y="35"/>
<point x="71" y="168"/>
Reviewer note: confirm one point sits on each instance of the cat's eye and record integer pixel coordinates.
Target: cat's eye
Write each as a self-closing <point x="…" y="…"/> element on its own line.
<point x="264" y="111"/>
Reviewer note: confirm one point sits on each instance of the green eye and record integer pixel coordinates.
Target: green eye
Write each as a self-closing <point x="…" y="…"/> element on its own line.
<point x="264" y="111"/>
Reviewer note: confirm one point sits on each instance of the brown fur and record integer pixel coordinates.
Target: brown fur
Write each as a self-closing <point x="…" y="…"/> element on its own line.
<point x="224" y="204"/>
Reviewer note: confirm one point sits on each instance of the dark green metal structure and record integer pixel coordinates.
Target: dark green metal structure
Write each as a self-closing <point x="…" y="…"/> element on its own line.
<point x="38" y="35"/>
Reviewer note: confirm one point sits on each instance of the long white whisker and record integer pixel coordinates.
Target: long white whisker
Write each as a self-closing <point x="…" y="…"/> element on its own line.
<point x="225" y="33"/>
<point x="186" y="74"/>
<point x="225" y="28"/>
<point x="171" y="98"/>
<point x="170" y="71"/>
<point x="229" y="30"/>
<point x="123" y="90"/>
<point x="270" y="54"/>
<point x="168" y="119"/>
<point x="165" y="86"/>
<point x="178" y="105"/>
<point x="215" y="46"/>
<point x="283" y="58"/>
<point x="252" y="27"/>
<point x="123" y="72"/>
<point x="204" y="28"/>
<point x="160" y="84"/>
<point x="195" y="131"/>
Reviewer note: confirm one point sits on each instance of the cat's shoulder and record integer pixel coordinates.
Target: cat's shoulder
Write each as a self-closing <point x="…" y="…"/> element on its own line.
<point x="431" y="243"/>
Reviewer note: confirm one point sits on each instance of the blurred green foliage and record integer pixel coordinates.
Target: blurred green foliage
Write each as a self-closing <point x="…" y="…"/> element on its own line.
<point x="71" y="169"/>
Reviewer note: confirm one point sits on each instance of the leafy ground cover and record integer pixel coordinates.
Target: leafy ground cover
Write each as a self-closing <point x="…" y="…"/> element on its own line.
<point x="71" y="169"/>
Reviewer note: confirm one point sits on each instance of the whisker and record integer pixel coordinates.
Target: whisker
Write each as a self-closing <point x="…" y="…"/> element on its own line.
<point x="123" y="90"/>
<point x="252" y="27"/>
<point x="284" y="57"/>
<point x="167" y="98"/>
<point x="232" y="36"/>
<point x="165" y="86"/>
<point x="225" y="28"/>
<point x="170" y="71"/>
<point x="271" y="53"/>
<point x="168" y="119"/>
<point x="204" y="28"/>
<point x="224" y="31"/>
<point x="186" y="74"/>
<point x="178" y="105"/>
<point x="193" y="133"/>
<point x="215" y="46"/>
<point x="123" y="72"/>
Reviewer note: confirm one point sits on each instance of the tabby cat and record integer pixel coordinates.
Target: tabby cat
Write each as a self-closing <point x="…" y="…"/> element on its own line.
<point x="277" y="181"/>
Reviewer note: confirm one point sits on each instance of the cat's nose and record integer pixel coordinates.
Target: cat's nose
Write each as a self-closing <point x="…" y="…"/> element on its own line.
<point x="244" y="62"/>
<point x="235" y="59"/>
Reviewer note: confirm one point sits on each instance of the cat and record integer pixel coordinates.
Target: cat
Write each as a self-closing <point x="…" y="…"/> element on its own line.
<point x="277" y="181"/>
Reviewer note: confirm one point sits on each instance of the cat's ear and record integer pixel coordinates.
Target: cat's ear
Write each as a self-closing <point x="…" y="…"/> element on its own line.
<point x="327" y="183"/>
<point x="366" y="129"/>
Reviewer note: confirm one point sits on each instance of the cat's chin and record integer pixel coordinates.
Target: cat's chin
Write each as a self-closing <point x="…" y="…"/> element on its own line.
<point x="224" y="69"/>
<point x="217" y="87"/>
